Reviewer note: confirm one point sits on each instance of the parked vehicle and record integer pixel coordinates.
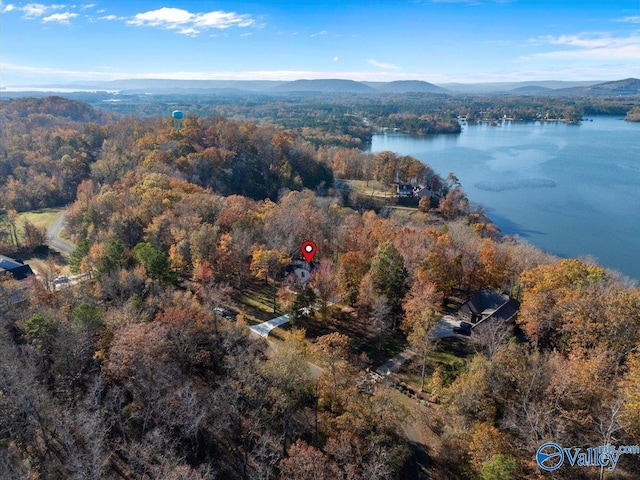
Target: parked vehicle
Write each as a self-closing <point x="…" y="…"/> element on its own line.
<point x="463" y="329"/>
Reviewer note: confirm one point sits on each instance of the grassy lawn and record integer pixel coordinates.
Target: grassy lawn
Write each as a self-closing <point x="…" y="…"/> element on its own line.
<point x="450" y="355"/>
<point x="371" y="187"/>
<point x="42" y="218"/>
<point x="256" y="303"/>
<point x="365" y="338"/>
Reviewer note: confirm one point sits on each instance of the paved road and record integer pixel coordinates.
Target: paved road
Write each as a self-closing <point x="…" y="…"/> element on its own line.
<point x="53" y="235"/>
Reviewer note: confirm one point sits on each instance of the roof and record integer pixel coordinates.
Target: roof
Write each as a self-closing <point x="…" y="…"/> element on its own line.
<point x="484" y="300"/>
<point x="423" y="192"/>
<point x="17" y="268"/>
<point x="490" y="304"/>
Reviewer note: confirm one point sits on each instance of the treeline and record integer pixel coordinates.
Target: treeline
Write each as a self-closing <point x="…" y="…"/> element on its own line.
<point x="42" y="164"/>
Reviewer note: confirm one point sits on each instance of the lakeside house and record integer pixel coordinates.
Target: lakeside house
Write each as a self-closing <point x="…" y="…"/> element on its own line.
<point x="489" y="306"/>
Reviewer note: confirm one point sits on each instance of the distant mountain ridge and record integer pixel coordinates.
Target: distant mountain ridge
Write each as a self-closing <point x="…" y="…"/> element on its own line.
<point x="628" y="86"/>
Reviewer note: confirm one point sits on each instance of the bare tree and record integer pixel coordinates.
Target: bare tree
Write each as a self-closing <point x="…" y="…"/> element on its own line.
<point x="491" y="336"/>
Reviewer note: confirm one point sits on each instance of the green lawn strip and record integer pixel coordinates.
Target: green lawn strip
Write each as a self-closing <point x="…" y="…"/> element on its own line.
<point x="44" y="217"/>
<point x="381" y="350"/>
<point x="450" y="356"/>
<point x="256" y="303"/>
<point x="365" y="187"/>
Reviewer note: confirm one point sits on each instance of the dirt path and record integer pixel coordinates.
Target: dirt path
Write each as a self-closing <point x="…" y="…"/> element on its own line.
<point x="424" y="443"/>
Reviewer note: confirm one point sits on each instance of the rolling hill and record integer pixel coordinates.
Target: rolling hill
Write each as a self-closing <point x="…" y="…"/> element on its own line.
<point x="411" y="86"/>
<point x="324" y="86"/>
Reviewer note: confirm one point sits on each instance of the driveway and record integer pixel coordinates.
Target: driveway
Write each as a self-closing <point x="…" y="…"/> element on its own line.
<point x="264" y="328"/>
<point x="53" y="234"/>
<point x="394" y="364"/>
<point x="444" y="328"/>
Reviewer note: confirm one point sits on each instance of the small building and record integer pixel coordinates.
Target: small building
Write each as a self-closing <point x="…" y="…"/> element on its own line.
<point x="487" y="305"/>
<point x="17" y="268"/>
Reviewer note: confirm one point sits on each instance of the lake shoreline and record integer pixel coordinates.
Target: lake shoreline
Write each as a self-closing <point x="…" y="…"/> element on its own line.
<point x="548" y="183"/>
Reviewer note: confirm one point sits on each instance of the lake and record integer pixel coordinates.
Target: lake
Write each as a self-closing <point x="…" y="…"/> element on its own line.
<point x="572" y="190"/>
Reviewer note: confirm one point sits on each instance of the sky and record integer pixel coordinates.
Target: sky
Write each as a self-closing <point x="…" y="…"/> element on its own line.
<point x="439" y="41"/>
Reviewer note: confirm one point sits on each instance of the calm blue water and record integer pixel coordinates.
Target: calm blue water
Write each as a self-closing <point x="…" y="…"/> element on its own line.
<point x="570" y="190"/>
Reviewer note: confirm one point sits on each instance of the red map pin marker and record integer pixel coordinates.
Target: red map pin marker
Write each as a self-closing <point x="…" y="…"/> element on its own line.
<point x="308" y="250"/>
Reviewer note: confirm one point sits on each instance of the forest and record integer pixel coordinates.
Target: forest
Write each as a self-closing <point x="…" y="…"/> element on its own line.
<point x="146" y="369"/>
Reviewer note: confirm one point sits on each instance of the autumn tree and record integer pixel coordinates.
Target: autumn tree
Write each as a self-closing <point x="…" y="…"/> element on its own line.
<point x="454" y="204"/>
<point x="551" y="291"/>
<point x="421" y="316"/>
<point x="265" y="263"/>
<point x="34" y="236"/>
<point x="333" y="355"/>
<point x="324" y="281"/>
<point x="389" y="275"/>
<point x="290" y="383"/>
<point x="11" y="290"/>
<point x="308" y="463"/>
<point x="351" y="268"/>
<point x="486" y="441"/>
<point x="631" y="391"/>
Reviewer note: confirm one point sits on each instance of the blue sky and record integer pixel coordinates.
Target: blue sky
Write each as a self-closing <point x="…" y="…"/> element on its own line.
<point x="438" y="41"/>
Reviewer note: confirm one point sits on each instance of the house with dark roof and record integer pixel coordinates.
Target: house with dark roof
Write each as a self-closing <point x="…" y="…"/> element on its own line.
<point x="299" y="271"/>
<point x="422" y="192"/>
<point x="486" y="306"/>
<point x="17" y="268"/>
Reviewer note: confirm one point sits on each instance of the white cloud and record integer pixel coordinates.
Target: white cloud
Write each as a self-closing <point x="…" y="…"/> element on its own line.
<point x="163" y="17"/>
<point x="33" y="10"/>
<point x="111" y="18"/>
<point x="631" y="19"/>
<point x="190" y="23"/>
<point x="87" y="6"/>
<point x="189" y="32"/>
<point x="588" y="47"/>
<point x="221" y="19"/>
<point x="336" y="58"/>
<point x="320" y="33"/>
<point x="378" y="64"/>
<point x="60" y="18"/>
